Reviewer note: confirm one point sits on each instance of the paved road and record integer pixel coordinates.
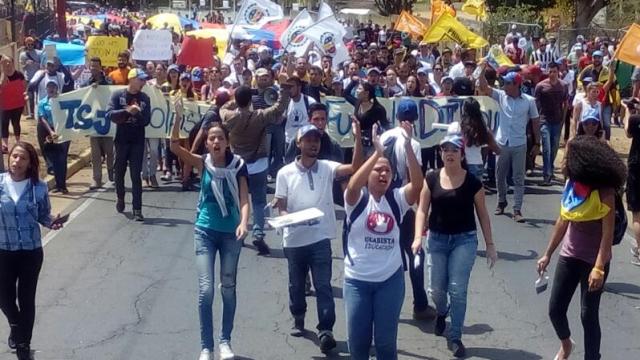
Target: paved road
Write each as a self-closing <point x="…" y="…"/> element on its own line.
<point x="115" y="289"/>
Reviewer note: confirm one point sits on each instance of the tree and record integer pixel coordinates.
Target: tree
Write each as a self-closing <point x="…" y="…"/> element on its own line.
<point x="586" y="10"/>
<point x="393" y="7"/>
<point x="535" y="4"/>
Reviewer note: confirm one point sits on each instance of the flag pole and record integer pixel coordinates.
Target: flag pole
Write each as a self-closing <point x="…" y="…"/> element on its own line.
<point x="235" y="21"/>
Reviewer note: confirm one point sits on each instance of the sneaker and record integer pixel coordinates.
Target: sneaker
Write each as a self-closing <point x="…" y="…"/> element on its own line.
<point x="458" y="349"/>
<point x="167" y="176"/>
<point x="327" y="342"/>
<point x="529" y="172"/>
<point x="11" y="340"/>
<point x="441" y="325"/>
<point x="120" y="205"/>
<point x="298" y="327"/>
<point x="137" y="215"/>
<point x="64" y="191"/>
<point x="428" y="313"/>
<point x="226" y="353"/>
<point x="154" y="182"/>
<point x="205" y="355"/>
<point x="500" y="208"/>
<point x="23" y="351"/>
<point x="95" y="185"/>
<point x="517" y="216"/>
<point x="261" y="245"/>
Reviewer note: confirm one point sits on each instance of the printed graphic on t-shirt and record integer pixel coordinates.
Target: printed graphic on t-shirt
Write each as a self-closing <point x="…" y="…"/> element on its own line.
<point x="379" y="223"/>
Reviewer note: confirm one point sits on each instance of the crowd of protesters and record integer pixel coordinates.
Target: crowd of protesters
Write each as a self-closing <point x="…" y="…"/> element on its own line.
<point x="267" y="123"/>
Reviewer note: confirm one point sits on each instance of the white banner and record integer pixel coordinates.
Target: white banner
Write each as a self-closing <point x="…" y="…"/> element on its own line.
<point x="154" y="45"/>
<point x="256" y="13"/>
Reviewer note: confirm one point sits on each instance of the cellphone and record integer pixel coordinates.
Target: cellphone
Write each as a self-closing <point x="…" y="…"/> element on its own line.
<point x="61" y="220"/>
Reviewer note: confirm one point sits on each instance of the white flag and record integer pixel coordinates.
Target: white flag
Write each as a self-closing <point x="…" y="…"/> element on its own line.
<point x="293" y="39"/>
<point x="256" y="13"/>
<point x="324" y="11"/>
<point x="328" y="34"/>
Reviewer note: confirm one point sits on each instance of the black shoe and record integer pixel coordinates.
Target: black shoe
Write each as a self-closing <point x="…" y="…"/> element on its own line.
<point x="23" y="351"/>
<point x="458" y="349"/>
<point x="441" y="324"/>
<point x="327" y="342"/>
<point x="546" y="181"/>
<point x="120" y="205"/>
<point x="137" y="215"/>
<point x="261" y="245"/>
<point x="500" y="208"/>
<point x="298" y="327"/>
<point x="428" y="313"/>
<point x="11" y="341"/>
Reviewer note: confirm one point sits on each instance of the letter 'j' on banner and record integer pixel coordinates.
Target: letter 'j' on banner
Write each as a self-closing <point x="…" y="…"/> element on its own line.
<point x="106" y="48"/>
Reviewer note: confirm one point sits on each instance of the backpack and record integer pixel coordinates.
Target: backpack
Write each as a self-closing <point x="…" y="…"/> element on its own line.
<point x="620" y="226"/>
<point x="357" y="211"/>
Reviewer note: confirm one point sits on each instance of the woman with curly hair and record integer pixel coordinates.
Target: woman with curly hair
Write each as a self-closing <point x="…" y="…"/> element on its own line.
<point x="585" y="229"/>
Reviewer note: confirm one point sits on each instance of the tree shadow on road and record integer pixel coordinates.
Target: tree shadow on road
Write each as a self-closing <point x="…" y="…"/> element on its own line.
<point x="166" y="222"/>
<point x="406" y="354"/>
<point x="623" y="289"/>
<point x="502" y="255"/>
<point x="535" y="223"/>
<point x="501" y="354"/>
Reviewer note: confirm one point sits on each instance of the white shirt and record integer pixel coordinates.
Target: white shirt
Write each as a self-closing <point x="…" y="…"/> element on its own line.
<point x="15" y="188"/>
<point x="374" y="240"/>
<point x="42" y="86"/>
<point x="304" y="189"/>
<point x="401" y="156"/>
<point x="568" y="79"/>
<point x="382" y="36"/>
<point x="457" y="70"/>
<point x="297" y="116"/>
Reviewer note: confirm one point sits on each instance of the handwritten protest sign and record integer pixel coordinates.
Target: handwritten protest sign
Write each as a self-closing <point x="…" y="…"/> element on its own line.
<point x="106" y="48"/>
<point x="82" y="113"/>
<point x="152" y="45"/>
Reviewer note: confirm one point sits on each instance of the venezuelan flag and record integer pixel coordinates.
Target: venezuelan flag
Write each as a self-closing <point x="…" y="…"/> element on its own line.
<point x="581" y="203"/>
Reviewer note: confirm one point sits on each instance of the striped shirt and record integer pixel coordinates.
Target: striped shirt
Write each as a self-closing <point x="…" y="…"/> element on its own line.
<point x="20" y="221"/>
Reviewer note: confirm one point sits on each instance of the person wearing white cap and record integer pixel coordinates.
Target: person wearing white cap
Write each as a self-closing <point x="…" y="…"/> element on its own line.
<point x="304" y="184"/>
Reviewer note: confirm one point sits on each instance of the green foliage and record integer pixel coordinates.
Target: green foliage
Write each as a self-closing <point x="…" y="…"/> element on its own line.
<point x="495" y="28"/>
<point x="393" y="7"/>
<point x="536" y="5"/>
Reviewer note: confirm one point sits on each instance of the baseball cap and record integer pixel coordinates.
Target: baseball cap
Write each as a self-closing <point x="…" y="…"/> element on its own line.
<point x="454" y="139"/>
<point x="373" y="69"/>
<point x="196" y="74"/>
<point x="173" y="67"/>
<point x="262" y="72"/>
<point x="308" y="130"/>
<point x="513" y="77"/>
<point x="51" y="61"/>
<point x="52" y="82"/>
<point x="136" y="73"/>
<point x="447" y="50"/>
<point x="591" y="115"/>
<point x="447" y="78"/>
<point x="263" y="48"/>
<point x="597" y="53"/>
<point x="221" y="97"/>
<point x="407" y="110"/>
<point x="422" y="70"/>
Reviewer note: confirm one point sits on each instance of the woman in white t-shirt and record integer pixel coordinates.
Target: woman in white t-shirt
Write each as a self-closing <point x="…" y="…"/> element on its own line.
<point x="587" y="105"/>
<point x="373" y="272"/>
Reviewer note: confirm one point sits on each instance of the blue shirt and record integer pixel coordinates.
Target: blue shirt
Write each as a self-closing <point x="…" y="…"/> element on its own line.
<point x="44" y="110"/>
<point x="20" y="222"/>
<point x="515" y="113"/>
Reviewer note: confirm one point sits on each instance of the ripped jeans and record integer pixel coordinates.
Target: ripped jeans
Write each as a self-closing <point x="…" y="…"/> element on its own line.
<point x="207" y="243"/>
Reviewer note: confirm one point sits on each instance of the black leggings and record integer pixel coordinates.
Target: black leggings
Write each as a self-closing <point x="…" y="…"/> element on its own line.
<point x="12" y="116"/>
<point x="569" y="273"/>
<point x="20" y="268"/>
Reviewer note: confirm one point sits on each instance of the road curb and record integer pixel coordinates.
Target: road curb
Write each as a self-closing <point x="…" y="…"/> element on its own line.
<point x="83" y="160"/>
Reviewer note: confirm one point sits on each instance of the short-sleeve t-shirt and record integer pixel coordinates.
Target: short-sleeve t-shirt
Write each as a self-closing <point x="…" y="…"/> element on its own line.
<point x="374" y="239"/>
<point x="550" y="98"/>
<point x="209" y="214"/>
<point x="44" y="110"/>
<point x="297" y="117"/>
<point x="452" y="210"/>
<point x="304" y="189"/>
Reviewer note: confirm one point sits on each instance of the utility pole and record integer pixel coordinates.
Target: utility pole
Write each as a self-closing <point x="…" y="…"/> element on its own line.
<point x="13" y="20"/>
<point x="61" y="24"/>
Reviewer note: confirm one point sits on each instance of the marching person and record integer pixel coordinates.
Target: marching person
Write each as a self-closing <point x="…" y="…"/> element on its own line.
<point x="373" y="265"/>
<point x="130" y="110"/>
<point x="12" y="101"/>
<point x="303" y="184"/>
<point x="24" y="206"/>
<point x="220" y="226"/>
<point x="632" y="130"/>
<point x="585" y="228"/>
<point x="248" y="139"/>
<point x="450" y="196"/>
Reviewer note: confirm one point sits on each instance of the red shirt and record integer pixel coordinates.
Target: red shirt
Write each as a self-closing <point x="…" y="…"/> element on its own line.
<point x="12" y="92"/>
<point x="584" y="62"/>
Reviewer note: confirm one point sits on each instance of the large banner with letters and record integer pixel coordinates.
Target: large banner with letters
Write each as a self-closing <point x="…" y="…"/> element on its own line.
<point x="82" y="113"/>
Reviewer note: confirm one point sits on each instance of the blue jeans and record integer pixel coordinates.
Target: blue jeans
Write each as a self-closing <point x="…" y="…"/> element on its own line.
<point x="607" y="113"/>
<point x="476" y="170"/>
<point x="317" y="257"/>
<point x="276" y="155"/>
<point x="451" y="259"/>
<point x="57" y="154"/>
<point x="512" y="158"/>
<point x="207" y="243"/>
<point x="258" y="191"/>
<point x="373" y="308"/>
<point x="550" y="134"/>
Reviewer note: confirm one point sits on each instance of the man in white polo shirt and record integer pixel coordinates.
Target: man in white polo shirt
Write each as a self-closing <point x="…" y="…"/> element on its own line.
<point x="303" y="184"/>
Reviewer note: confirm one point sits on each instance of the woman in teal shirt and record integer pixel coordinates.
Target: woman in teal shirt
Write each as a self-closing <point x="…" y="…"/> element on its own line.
<point x="221" y="225"/>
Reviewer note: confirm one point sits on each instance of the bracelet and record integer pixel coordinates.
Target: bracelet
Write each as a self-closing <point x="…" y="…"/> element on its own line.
<point x="598" y="270"/>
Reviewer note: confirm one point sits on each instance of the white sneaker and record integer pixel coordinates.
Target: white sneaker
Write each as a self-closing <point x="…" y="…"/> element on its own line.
<point x="225" y="351"/>
<point x="205" y="355"/>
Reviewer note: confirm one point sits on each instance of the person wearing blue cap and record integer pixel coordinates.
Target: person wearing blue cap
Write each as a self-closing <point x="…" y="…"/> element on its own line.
<point x="130" y="110"/>
<point x="590" y="124"/>
<point x="597" y="72"/>
<point x="303" y="184"/>
<point x="516" y="111"/>
<point x="395" y="151"/>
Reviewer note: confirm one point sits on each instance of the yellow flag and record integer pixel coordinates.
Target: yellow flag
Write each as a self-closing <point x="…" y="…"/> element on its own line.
<point x="410" y="24"/>
<point x="439" y="7"/>
<point x="475" y="7"/>
<point x="629" y="48"/>
<point x="446" y="26"/>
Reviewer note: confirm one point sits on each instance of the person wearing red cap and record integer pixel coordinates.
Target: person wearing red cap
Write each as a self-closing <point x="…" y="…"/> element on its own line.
<point x="516" y="110"/>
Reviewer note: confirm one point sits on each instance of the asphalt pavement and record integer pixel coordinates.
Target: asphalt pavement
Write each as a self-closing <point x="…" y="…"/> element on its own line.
<point x="112" y="288"/>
